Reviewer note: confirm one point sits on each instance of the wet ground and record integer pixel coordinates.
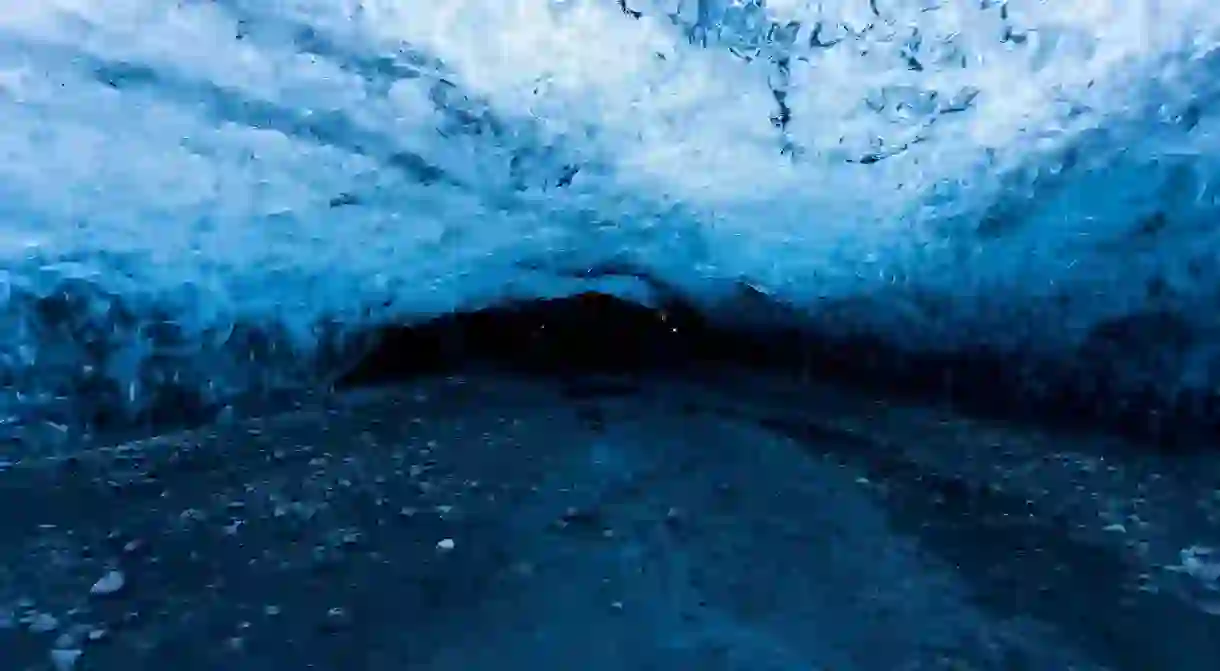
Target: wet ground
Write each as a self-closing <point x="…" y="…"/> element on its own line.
<point x="730" y="522"/>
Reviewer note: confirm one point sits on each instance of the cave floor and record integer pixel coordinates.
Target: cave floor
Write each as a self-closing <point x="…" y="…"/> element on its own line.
<point x="734" y="521"/>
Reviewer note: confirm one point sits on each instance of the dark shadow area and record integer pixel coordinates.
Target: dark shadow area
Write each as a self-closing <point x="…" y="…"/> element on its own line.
<point x="588" y="333"/>
<point x="596" y="345"/>
<point x="591" y="335"/>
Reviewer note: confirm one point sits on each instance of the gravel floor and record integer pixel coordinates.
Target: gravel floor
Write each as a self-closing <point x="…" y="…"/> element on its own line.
<point x="730" y="522"/>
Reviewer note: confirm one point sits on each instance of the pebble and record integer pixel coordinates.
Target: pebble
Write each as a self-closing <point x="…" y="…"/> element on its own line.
<point x="337" y="619"/>
<point x="42" y="623"/>
<point x="64" y="659"/>
<point x="111" y="583"/>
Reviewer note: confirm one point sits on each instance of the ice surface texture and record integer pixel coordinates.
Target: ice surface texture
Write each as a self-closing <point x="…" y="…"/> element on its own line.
<point x="209" y="197"/>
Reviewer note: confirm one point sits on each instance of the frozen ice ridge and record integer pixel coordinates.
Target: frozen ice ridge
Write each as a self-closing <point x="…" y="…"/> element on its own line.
<point x="205" y="197"/>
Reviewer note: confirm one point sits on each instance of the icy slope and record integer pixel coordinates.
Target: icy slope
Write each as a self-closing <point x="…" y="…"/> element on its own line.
<point x="201" y="198"/>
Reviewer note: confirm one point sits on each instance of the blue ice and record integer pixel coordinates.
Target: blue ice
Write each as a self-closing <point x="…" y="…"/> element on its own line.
<point x="216" y="193"/>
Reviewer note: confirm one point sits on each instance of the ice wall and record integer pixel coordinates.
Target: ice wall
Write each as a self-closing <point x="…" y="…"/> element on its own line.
<point x="204" y="197"/>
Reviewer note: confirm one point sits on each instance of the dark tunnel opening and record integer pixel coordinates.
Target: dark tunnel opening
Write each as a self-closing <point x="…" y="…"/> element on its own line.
<point x="593" y="334"/>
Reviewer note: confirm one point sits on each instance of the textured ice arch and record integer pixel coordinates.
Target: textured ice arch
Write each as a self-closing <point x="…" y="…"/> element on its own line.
<point x="208" y="195"/>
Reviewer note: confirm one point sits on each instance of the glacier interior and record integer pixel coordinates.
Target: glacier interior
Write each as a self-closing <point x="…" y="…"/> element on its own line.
<point x="206" y="198"/>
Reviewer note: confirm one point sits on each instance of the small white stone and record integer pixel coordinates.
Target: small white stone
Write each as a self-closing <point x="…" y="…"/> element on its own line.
<point x="109" y="584"/>
<point x="446" y="545"/>
<point x="64" y="659"/>
<point x="41" y="623"/>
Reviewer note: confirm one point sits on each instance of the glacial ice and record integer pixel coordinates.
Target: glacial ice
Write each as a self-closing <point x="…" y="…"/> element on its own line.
<point x="207" y="197"/>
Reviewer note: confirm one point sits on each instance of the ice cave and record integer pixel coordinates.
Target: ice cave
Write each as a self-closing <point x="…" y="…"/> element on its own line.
<point x="440" y="335"/>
